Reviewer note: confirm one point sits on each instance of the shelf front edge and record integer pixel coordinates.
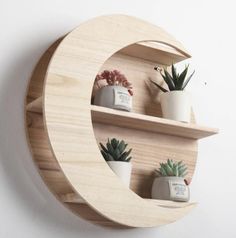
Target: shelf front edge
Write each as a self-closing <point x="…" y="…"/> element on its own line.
<point x="149" y="123"/>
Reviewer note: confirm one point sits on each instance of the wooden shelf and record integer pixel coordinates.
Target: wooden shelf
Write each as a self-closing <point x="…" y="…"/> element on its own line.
<point x="149" y="123"/>
<point x="139" y="121"/>
<point x="63" y="142"/>
<point x="74" y="198"/>
<point x="156" y="52"/>
<point x="35" y="106"/>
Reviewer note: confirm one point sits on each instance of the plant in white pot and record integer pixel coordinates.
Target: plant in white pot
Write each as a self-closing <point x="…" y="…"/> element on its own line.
<point x="113" y="90"/>
<point x="169" y="183"/>
<point x="118" y="158"/>
<point x="175" y="103"/>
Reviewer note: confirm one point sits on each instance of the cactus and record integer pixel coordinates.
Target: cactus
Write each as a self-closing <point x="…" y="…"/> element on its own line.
<point x="115" y="151"/>
<point x="173" y="80"/>
<point x="171" y="168"/>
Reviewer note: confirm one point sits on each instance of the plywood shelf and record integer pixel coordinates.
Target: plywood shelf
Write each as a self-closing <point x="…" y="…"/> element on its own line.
<point x="74" y="198"/>
<point x="139" y="121"/>
<point x="35" y="105"/>
<point x="156" y="52"/>
<point x="150" y="123"/>
<point x="64" y="142"/>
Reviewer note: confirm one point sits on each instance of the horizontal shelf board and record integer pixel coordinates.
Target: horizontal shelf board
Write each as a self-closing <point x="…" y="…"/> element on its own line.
<point x="74" y="198"/>
<point x="139" y="121"/>
<point x="149" y="123"/>
<point x="156" y="52"/>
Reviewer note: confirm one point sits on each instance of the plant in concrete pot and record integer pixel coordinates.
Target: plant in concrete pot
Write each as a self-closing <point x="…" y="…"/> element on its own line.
<point x="175" y="103"/>
<point x="113" y="90"/>
<point x="169" y="183"/>
<point x="118" y="158"/>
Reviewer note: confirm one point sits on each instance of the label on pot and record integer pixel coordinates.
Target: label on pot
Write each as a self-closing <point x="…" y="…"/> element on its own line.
<point x="178" y="190"/>
<point x="122" y="98"/>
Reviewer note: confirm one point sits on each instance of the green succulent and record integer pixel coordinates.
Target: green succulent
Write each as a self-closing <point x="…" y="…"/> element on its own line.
<point x="174" y="80"/>
<point x="115" y="151"/>
<point x="171" y="168"/>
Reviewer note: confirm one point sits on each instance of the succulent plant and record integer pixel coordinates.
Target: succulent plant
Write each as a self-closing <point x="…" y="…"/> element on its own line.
<point x="171" y="168"/>
<point x="115" y="151"/>
<point x="114" y="77"/>
<point x="174" y="80"/>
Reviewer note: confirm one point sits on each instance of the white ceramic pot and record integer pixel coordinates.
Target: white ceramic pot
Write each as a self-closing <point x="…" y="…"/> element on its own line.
<point x="122" y="170"/>
<point x="170" y="188"/>
<point x="176" y="105"/>
<point x="116" y="97"/>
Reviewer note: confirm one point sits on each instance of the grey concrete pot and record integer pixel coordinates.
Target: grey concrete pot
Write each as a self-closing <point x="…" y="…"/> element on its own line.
<point x="116" y="97"/>
<point x="170" y="188"/>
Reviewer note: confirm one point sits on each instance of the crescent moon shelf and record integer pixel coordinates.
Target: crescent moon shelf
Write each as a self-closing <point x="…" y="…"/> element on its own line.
<point x="64" y="129"/>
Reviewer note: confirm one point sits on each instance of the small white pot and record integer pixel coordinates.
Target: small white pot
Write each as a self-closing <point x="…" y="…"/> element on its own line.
<point x="116" y="97"/>
<point x="122" y="170"/>
<point x="176" y="105"/>
<point x="170" y="188"/>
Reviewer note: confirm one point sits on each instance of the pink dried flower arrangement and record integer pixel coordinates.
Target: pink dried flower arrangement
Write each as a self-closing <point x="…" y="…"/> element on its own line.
<point x="114" y="78"/>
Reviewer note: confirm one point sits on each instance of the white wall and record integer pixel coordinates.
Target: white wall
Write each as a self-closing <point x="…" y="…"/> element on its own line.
<point x="206" y="28"/>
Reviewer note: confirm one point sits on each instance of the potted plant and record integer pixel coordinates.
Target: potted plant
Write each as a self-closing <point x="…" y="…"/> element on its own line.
<point x="113" y="90"/>
<point x="175" y="103"/>
<point x="169" y="183"/>
<point x="118" y="158"/>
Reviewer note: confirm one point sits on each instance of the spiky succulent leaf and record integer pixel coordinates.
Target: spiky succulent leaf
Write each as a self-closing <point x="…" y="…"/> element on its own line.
<point x="122" y="146"/>
<point x="171" y="168"/>
<point x="125" y="155"/>
<point x="174" y="74"/>
<point x="182" y="171"/>
<point x="128" y="159"/>
<point x="103" y="147"/>
<point x="163" y="172"/>
<point x="187" y="80"/>
<point x="104" y="154"/>
<point x="159" y="86"/>
<point x="114" y="143"/>
<point x="170" y="162"/>
<point x="110" y="148"/>
<point x="169" y="80"/>
<point x="115" y="151"/>
<point x="181" y="78"/>
<point x="174" y="81"/>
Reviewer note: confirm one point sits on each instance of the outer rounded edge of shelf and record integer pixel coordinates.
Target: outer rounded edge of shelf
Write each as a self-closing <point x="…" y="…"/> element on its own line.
<point x="69" y="81"/>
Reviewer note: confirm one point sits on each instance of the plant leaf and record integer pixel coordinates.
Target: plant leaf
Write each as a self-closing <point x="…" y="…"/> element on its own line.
<point x="110" y="148"/>
<point x="169" y="80"/>
<point x="103" y="147"/>
<point x="182" y="78"/>
<point x="169" y="170"/>
<point x="174" y="75"/>
<point x="116" y="154"/>
<point x="160" y="87"/>
<point x="125" y="155"/>
<point x="114" y="143"/>
<point x="183" y="175"/>
<point x="182" y="171"/>
<point x="104" y="154"/>
<point x="170" y="163"/>
<point x="176" y="170"/>
<point x="122" y="146"/>
<point x="163" y="172"/>
<point x="127" y="160"/>
<point x="158" y="173"/>
<point x="187" y="80"/>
